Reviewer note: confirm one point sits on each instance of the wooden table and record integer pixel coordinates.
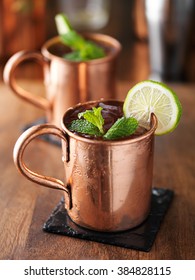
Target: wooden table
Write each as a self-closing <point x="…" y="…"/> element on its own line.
<point x="25" y="206"/>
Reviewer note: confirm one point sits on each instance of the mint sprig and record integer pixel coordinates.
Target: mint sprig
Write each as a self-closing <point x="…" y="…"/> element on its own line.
<point x="85" y="127"/>
<point x="91" y="122"/>
<point x="123" y="127"/>
<point x="94" y="116"/>
<point x="82" y="49"/>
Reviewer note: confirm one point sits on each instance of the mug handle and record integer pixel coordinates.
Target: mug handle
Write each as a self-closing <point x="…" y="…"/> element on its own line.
<point x="18" y="154"/>
<point x="9" y="77"/>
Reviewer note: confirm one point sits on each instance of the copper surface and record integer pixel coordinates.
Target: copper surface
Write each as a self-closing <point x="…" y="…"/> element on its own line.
<point x="67" y="82"/>
<point x="108" y="183"/>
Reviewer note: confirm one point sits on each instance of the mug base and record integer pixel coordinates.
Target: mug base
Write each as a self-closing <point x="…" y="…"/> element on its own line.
<point x="139" y="238"/>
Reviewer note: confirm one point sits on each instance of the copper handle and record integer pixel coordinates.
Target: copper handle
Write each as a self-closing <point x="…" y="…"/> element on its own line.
<point x="18" y="153"/>
<point x="9" y="77"/>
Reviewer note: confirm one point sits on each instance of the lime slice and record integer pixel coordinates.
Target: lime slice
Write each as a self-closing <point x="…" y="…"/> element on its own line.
<point x="153" y="97"/>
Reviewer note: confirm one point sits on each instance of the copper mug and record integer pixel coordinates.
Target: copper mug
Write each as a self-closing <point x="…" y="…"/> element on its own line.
<point x="67" y="82"/>
<point x="107" y="184"/>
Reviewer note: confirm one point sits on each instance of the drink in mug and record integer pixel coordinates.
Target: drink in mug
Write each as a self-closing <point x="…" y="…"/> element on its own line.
<point x="68" y="80"/>
<point x="111" y="112"/>
<point x="107" y="183"/>
<point x="108" y="158"/>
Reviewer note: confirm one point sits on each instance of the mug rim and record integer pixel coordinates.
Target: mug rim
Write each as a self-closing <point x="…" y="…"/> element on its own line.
<point x="154" y="123"/>
<point x="106" y="39"/>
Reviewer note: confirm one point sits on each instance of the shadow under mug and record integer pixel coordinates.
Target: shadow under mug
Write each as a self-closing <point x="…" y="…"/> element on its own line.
<point x="67" y="82"/>
<point x="108" y="184"/>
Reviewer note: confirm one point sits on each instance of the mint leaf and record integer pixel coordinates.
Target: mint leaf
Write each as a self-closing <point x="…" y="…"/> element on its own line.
<point x="91" y="51"/>
<point x="87" y="49"/>
<point x="83" y="126"/>
<point x="121" y="128"/>
<point x="73" y="40"/>
<point x="62" y="23"/>
<point x="94" y="116"/>
<point x="87" y="52"/>
<point x="74" y="56"/>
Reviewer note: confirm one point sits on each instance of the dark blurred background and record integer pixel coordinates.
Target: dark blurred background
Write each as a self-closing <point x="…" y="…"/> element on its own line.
<point x="27" y="24"/>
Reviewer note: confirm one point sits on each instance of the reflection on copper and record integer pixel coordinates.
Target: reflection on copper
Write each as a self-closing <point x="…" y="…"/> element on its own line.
<point x="82" y="70"/>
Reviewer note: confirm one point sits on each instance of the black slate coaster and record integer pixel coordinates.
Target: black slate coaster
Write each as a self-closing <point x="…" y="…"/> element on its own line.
<point x="139" y="238"/>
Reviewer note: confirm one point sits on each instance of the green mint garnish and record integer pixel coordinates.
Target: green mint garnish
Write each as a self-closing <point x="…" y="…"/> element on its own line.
<point x="94" y="116"/>
<point x="123" y="127"/>
<point x="91" y="122"/>
<point x="83" y="126"/>
<point x="82" y="49"/>
<point x="74" y="56"/>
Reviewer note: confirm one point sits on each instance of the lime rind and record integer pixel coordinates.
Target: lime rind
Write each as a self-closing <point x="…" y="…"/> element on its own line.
<point x="149" y="97"/>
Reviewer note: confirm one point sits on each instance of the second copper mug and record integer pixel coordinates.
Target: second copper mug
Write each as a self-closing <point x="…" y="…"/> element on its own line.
<point x="67" y="82"/>
<point x="107" y="185"/>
